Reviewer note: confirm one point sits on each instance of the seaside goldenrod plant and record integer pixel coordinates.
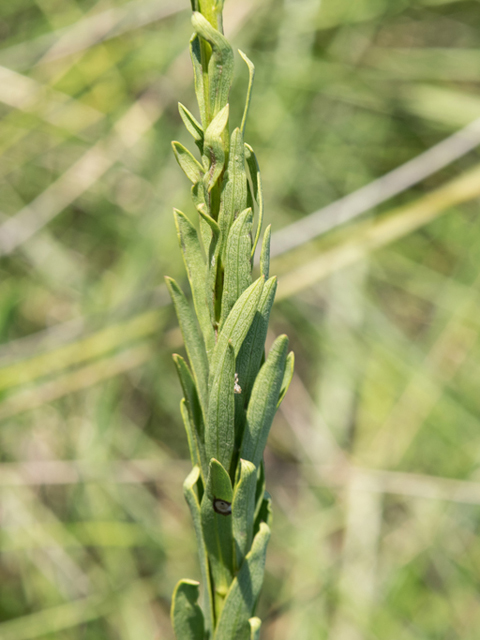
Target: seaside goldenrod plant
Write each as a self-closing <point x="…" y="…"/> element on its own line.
<point x="231" y="390"/>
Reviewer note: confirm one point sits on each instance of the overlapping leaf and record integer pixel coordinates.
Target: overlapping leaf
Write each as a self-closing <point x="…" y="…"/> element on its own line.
<point x="187" y="617"/>
<point x="263" y="402"/>
<point x="243" y="593"/>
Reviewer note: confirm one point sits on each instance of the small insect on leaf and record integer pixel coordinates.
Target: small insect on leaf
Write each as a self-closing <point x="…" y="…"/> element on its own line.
<point x="222" y="507"/>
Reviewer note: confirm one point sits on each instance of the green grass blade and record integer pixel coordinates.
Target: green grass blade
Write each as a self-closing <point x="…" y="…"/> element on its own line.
<point x="255" y="624"/>
<point x="221" y="58"/>
<point x="237" y="269"/>
<point x="193" y="340"/>
<point x="287" y="376"/>
<point x="243" y="594"/>
<point x="243" y="510"/>
<point x="187" y="617"/>
<point x="190" y="166"/>
<point x="265" y="253"/>
<point x="213" y="148"/>
<point x="256" y="178"/>
<point x="191" y="497"/>
<point x="234" y="198"/>
<point x="192" y="125"/>
<point x="217" y="530"/>
<point x="196" y="269"/>
<point x="263" y="402"/>
<point x="251" y="75"/>
<point x="220" y="432"/>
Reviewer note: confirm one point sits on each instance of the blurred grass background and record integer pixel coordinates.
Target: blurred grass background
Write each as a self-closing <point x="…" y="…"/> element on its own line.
<point x="373" y="461"/>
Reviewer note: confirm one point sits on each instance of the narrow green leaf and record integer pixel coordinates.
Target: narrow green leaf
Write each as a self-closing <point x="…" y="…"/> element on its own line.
<point x="215" y="229"/>
<point x="243" y="510"/>
<point x="192" y="338"/>
<point x="187" y="617"/>
<point x="265" y="253"/>
<point x="213" y="251"/>
<point x="192" y="125"/>
<point x="190" y="393"/>
<point x="192" y="480"/>
<point x="243" y="594"/>
<point x="234" y="195"/>
<point x="213" y="148"/>
<point x="201" y="205"/>
<point x="287" y="376"/>
<point x="255" y="624"/>
<point x="221" y="485"/>
<point x="195" y="427"/>
<point x="220" y="66"/>
<point x="263" y="402"/>
<point x="220" y="432"/>
<point x="238" y="322"/>
<point x="256" y="178"/>
<point x="251" y="353"/>
<point x="251" y="356"/>
<point x="217" y="529"/>
<point x="251" y="75"/>
<point x="190" y="165"/>
<point x="237" y="268"/>
<point x="196" y="271"/>
<point x="196" y="56"/>
<point x="191" y="434"/>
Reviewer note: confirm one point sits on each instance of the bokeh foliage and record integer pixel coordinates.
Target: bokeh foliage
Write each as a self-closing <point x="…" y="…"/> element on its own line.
<point x="372" y="461"/>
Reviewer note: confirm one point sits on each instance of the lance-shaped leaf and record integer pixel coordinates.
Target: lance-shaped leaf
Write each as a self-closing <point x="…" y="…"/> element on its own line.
<point x="238" y="323"/>
<point x="192" y="338"/>
<point x="255" y="624"/>
<point x="265" y="253"/>
<point x="196" y="268"/>
<point x="220" y="66"/>
<point x="243" y="594"/>
<point x="192" y="436"/>
<point x="287" y="376"/>
<point x="251" y="75"/>
<point x="213" y="250"/>
<point x="196" y="56"/>
<point x="234" y="196"/>
<point x="213" y="149"/>
<point x="251" y="356"/>
<point x="243" y="510"/>
<point x="192" y="415"/>
<point x="256" y="178"/>
<point x="237" y="268"/>
<point x="190" y="165"/>
<point x="187" y="617"/>
<point x="192" y="500"/>
<point x="263" y="402"/>
<point x="251" y="352"/>
<point x="192" y="125"/>
<point x="217" y="529"/>
<point x="198" y="197"/>
<point x="220" y="432"/>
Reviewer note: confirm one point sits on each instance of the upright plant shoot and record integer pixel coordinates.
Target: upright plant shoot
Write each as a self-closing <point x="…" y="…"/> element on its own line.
<point x="231" y="391"/>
